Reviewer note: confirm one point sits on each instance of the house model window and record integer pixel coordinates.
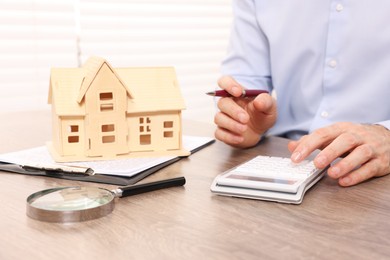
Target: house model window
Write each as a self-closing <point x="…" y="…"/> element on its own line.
<point x="73" y="136"/>
<point x="145" y="131"/>
<point x="106" y="101"/>
<point x="103" y="113"/>
<point x="108" y="135"/>
<point x="168" y="126"/>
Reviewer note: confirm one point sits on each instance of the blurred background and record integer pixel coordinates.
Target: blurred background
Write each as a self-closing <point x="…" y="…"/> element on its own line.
<point x="35" y="35"/>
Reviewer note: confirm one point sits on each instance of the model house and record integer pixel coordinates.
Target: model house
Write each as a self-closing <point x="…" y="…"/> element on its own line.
<point x="100" y="112"/>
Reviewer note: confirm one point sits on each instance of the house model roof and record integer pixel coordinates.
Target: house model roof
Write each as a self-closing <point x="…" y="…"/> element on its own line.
<point x="148" y="88"/>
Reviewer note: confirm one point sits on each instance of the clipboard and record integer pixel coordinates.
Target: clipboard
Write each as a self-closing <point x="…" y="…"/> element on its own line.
<point x="98" y="178"/>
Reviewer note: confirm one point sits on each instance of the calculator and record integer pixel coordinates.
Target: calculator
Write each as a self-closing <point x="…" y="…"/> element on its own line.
<point x="269" y="178"/>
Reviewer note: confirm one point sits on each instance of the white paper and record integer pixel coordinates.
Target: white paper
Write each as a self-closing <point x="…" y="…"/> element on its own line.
<point x="124" y="167"/>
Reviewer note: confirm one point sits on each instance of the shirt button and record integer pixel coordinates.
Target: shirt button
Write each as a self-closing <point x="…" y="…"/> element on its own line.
<point x="332" y="63"/>
<point x="339" y="7"/>
<point x="324" y="114"/>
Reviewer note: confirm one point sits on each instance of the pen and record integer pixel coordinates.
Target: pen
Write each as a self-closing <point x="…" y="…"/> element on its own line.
<point x="59" y="168"/>
<point x="245" y="93"/>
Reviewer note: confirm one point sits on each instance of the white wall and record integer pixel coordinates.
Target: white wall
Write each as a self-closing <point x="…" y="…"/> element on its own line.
<point x="36" y="35"/>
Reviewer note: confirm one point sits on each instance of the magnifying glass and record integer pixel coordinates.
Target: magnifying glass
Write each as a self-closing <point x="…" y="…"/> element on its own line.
<point x="73" y="204"/>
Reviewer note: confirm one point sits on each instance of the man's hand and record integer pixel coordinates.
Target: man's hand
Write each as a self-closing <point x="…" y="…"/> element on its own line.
<point x="367" y="148"/>
<point x="241" y="121"/>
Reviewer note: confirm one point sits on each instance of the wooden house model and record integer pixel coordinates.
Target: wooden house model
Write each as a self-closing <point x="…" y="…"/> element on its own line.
<point x="99" y="112"/>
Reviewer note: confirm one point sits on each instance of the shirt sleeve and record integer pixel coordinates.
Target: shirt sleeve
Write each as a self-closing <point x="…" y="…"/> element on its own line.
<point x="386" y="124"/>
<point x="247" y="60"/>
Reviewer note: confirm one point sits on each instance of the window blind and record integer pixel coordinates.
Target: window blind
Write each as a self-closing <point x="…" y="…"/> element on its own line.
<point x="190" y="35"/>
<point x="35" y="36"/>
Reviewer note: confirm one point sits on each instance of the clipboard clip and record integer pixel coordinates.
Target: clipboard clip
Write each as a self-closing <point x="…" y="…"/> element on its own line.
<point x="55" y="168"/>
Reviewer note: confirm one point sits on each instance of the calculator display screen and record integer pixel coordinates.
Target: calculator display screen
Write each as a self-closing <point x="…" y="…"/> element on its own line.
<point x="262" y="179"/>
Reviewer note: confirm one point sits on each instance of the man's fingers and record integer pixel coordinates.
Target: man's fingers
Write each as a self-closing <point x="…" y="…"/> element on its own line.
<point x="229" y="107"/>
<point x="292" y="145"/>
<point x="366" y="148"/>
<point x="318" y="139"/>
<point x="264" y="103"/>
<point x="359" y="175"/>
<point x="228" y="137"/>
<point x="358" y="157"/>
<point x="339" y="146"/>
<point x="230" y="85"/>
<point x="225" y="122"/>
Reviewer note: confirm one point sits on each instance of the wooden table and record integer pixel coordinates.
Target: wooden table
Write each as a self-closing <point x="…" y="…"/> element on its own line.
<point x="190" y="222"/>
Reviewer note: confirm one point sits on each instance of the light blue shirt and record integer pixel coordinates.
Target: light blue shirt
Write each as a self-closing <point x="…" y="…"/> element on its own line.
<point x="328" y="61"/>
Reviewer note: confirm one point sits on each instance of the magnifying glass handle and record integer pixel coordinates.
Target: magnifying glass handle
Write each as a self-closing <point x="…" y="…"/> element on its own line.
<point x="151" y="186"/>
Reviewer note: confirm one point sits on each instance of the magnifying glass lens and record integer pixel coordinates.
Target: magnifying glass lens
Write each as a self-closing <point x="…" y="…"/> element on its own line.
<point x="71" y="204"/>
<point x="71" y="198"/>
<point x="68" y="204"/>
